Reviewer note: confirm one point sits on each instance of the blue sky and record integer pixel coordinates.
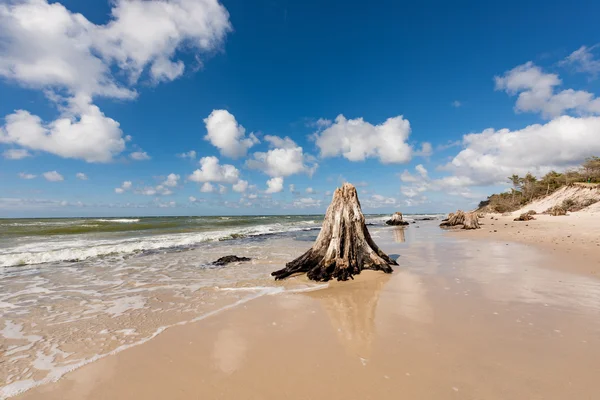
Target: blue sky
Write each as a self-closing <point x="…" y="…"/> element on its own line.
<point x="438" y="103"/>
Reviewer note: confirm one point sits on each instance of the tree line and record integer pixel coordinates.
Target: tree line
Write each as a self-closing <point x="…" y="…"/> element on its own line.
<point x="526" y="188"/>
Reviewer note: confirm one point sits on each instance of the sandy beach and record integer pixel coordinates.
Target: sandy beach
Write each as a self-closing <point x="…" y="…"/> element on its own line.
<point x="466" y="315"/>
<point x="575" y="236"/>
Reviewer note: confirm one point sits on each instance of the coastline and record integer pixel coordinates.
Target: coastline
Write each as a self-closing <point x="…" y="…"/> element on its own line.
<point x="448" y="323"/>
<point x="575" y="238"/>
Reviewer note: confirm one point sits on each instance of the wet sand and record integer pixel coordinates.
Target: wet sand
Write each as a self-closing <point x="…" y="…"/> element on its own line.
<point x="576" y="236"/>
<point x="460" y="318"/>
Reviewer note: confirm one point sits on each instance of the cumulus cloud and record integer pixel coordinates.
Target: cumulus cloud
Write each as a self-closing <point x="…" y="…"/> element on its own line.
<point x="421" y="170"/>
<point x="207" y="187"/>
<point x="583" y="60"/>
<point x="456" y="104"/>
<point x="125" y="186"/>
<point x="274" y="185"/>
<point x="285" y="158"/>
<point x="240" y="186"/>
<point x="536" y="93"/>
<point x="14" y="154"/>
<point x="310" y="190"/>
<point x="47" y="47"/>
<point x="90" y="136"/>
<point x="227" y="135"/>
<point x="212" y="171"/>
<point x="53" y="176"/>
<point x="172" y="180"/>
<point x="24" y="175"/>
<point x="425" y="151"/>
<point x="81" y="176"/>
<point x="356" y="140"/>
<point x="491" y="156"/>
<point x="139" y="156"/>
<point x="406" y="176"/>
<point x="190" y="154"/>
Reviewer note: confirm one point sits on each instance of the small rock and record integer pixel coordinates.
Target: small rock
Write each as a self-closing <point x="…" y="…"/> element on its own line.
<point x="230" y="259"/>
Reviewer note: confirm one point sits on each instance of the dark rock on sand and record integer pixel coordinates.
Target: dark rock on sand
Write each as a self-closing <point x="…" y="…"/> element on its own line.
<point x="230" y="259"/>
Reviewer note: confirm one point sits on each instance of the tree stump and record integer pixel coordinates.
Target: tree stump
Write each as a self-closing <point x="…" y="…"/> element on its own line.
<point x="462" y="220"/>
<point x="344" y="246"/>
<point x="396" y="219"/>
<point x="557" y="211"/>
<point x="524" y="217"/>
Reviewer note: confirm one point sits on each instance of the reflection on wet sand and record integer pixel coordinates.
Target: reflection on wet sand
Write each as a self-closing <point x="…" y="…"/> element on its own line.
<point x="399" y="235"/>
<point x="351" y="308"/>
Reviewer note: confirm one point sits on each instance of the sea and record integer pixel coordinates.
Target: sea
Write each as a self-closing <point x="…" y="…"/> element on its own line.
<point x="74" y="290"/>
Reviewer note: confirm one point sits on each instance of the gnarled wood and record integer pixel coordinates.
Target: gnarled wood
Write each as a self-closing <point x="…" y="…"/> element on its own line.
<point x="524" y="217"/>
<point x="396" y="219"/>
<point x="460" y="219"/>
<point x="344" y="246"/>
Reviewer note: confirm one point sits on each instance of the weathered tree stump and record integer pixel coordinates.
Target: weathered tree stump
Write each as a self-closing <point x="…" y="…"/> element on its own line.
<point x="524" y="217"/>
<point x="557" y="211"/>
<point x="462" y="220"/>
<point x="344" y="246"/>
<point x="396" y="219"/>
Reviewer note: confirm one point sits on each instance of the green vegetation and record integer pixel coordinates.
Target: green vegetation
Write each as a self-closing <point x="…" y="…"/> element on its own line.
<point x="527" y="188"/>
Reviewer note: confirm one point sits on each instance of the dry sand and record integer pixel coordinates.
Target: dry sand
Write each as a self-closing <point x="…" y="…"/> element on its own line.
<point x="459" y="319"/>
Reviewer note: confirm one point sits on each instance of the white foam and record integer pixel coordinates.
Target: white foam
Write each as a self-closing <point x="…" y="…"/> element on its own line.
<point x="120" y="220"/>
<point x="82" y="249"/>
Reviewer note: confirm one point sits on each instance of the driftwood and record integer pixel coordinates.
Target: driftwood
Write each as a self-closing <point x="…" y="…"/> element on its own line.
<point x="557" y="211"/>
<point x="344" y="246"/>
<point x="462" y="220"/>
<point x="230" y="259"/>
<point x="524" y="217"/>
<point x="396" y="219"/>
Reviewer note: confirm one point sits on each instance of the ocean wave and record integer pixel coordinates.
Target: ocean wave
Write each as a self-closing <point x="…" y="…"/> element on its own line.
<point x="83" y="249"/>
<point x="120" y="220"/>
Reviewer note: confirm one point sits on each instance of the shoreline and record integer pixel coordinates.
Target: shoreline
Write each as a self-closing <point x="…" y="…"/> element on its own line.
<point x="575" y="238"/>
<point x="409" y="332"/>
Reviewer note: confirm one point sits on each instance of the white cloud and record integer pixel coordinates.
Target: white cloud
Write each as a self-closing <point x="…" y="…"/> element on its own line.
<point x="357" y="140"/>
<point x="582" y="60"/>
<point x="535" y="91"/>
<point x="227" y="135"/>
<point x="491" y="156"/>
<point x="124" y="187"/>
<point x="47" y="47"/>
<point x="139" y="156"/>
<point x="211" y="171"/>
<point x="306" y="202"/>
<point x="190" y="154"/>
<point x="207" y="187"/>
<point x="53" y="176"/>
<point x="89" y="136"/>
<point x="292" y="188"/>
<point x="192" y="199"/>
<point x="310" y="190"/>
<point x="425" y="151"/>
<point x="284" y="159"/>
<point x="172" y="180"/>
<point x="14" y="154"/>
<point x="274" y="185"/>
<point x="222" y="189"/>
<point x="378" y="201"/>
<point x="240" y="186"/>
<point x="456" y="104"/>
<point x="81" y="176"/>
<point x="24" y="175"/>
<point x="408" y="177"/>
